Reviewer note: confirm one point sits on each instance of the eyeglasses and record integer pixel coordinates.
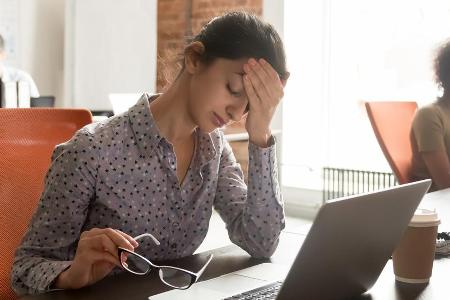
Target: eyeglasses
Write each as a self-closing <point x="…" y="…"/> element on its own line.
<point x="172" y="276"/>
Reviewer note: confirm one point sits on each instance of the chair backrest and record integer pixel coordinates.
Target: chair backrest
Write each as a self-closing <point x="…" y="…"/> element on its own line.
<point x="28" y="137"/>
<point x="391" y="122"/>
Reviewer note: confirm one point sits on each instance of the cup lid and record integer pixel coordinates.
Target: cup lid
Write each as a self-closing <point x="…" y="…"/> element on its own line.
<point x="424" y="217"/>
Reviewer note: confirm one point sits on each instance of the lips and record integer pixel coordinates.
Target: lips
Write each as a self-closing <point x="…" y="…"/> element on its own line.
<point x="218" y="120"/>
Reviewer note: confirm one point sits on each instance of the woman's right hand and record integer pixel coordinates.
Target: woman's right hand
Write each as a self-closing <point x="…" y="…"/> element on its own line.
<point x="95" y="257"/>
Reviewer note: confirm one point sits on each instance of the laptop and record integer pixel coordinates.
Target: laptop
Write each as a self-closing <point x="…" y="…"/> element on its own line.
<point x="342" y="256"/>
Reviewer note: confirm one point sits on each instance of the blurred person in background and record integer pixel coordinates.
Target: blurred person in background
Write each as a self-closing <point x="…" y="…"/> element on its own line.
<point x="430" y="135"/>
<point x="8" y="73"/>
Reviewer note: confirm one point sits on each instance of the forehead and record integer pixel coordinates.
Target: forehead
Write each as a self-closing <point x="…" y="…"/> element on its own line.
<point x="229" y="65"/>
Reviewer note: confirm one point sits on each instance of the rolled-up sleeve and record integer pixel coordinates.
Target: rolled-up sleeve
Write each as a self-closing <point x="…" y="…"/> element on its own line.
<point x="52" y="235"/>
<point x="254" y="215"/>
<point x="429" y="130"/>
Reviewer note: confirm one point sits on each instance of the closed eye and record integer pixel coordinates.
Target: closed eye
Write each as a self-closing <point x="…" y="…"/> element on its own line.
<point x="233" y="93"/>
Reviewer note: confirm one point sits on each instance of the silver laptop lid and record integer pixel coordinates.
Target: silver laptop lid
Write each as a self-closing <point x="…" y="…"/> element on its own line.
<point x="350" y="242"/>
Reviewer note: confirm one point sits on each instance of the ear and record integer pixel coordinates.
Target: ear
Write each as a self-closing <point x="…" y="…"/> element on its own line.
<point x="192" y="55"/>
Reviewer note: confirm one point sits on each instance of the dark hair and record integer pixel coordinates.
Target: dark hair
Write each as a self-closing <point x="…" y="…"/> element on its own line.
<point x="442" y="66"/>
<point x="2" y="43"/>
<point x="237" y="35"/>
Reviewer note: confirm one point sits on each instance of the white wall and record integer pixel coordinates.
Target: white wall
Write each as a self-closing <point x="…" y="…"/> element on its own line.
<point x="41" y="44"/>
<point x="41" y="47"/>
<point x="110" y="48"/>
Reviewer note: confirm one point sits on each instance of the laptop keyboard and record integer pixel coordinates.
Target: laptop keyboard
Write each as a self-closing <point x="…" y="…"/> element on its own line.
<point x="269" y="291"/>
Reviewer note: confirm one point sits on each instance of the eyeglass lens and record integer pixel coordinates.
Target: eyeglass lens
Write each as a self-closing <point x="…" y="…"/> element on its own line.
<point x="175" y="277"/>
<point x="134" y="263"/>
<point x="171" y="276"/>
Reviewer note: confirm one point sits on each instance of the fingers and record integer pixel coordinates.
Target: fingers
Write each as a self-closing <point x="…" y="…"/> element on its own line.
<point x="265" y="79"/>
<point x="96" y="256"/>
<point x="257" y="77"/>
<point x="129" y="238"/>
<point x="260" y="71"/>
<point x="250" y="91"/>
<point x="270" y="71"/>
<point x="87" y="268"/>
<point x="119" y="238"/>
<point x="102" y="242"/>
<point x="275" y="85"/>
<point x="105" y="240"/>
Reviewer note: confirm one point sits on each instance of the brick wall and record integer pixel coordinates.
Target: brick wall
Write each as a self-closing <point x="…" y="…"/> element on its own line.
<point x="178" y="19"/>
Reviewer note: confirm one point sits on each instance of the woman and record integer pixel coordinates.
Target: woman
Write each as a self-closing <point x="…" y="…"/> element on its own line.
<point x="431" y="130"/>
<point x="161" y="167"/>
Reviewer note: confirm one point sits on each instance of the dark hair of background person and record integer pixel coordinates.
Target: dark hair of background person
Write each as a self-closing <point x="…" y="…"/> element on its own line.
<point x="237" y="35"/>
<point x="442" y="67"/>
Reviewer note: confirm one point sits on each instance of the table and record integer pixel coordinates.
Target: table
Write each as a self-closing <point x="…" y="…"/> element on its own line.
<point x="231" y="258"/>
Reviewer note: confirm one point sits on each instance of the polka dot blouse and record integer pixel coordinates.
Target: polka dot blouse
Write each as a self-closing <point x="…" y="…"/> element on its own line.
<point x="121" y="173"/>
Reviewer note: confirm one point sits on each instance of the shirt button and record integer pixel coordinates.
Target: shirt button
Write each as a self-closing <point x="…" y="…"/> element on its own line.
<point x="176" y="224"/>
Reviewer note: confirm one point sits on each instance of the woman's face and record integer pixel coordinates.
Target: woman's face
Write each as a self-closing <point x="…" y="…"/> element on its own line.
<point x="217" y="95"/>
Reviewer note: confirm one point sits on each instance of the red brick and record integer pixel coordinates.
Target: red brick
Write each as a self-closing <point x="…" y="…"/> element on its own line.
<point x="173" y="27"/>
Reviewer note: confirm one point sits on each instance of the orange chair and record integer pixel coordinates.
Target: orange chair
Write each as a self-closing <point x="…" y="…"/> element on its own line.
<point x="391" y="122"/>
<point x="27" y="139"/>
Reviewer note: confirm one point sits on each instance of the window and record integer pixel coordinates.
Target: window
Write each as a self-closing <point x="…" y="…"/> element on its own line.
<point x="341" y="53"/>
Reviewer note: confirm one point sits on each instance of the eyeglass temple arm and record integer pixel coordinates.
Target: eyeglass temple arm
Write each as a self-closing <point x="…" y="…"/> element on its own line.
<point x="199" y="273"/>
<point x="149" y="235"/>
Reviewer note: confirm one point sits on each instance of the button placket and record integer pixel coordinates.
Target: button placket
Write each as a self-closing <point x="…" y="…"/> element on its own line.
<point x="175" y="228"/>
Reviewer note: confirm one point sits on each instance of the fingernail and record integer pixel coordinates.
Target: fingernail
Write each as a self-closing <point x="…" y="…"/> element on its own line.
<point x="252" y="62"/>
<point x="262" y="61"/>
<point x="130" y="244"/>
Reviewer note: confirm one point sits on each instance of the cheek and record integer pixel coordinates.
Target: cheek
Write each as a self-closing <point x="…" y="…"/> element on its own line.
<point x="207" y="94"/>
<point x="199" y="105"/>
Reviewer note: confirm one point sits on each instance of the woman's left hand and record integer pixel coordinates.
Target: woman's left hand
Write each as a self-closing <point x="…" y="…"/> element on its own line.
<point x="264" y="90"/>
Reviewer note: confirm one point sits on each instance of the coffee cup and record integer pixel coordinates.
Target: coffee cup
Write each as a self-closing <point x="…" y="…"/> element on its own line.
<point x="413" y="258"/>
